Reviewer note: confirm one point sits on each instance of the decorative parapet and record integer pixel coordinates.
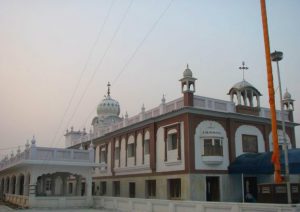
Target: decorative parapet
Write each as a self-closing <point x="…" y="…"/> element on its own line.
<point x="132" y="169"/>
<point x="266" y="113"/>
<point x="34" y="153"/>
<point x="199" y="102"/>
<point x="214" y="104"/>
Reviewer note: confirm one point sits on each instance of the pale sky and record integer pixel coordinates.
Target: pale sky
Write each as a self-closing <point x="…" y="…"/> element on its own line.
<point x="141" y="47"/>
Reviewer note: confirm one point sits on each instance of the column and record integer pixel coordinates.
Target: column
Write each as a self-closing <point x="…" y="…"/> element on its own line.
<point x="17" y="185"/>
<point x="166" y="141"/>
<point x="245" y="98"/>
<point x="178" y="142"/>
<point x="112" y="156"/>
<point x="78" y="185"/>
<point x="143" y="146"/>
<point x="135" y="138"/>
<point x="88" y="184"/>
<point x="120" y="150"/>
<point x="239" y="97"/>
<point x="126" y="145"/>
<point x="25" y="188"/>
<point x="53" y="176"/>
<point x="65" y="185"/>
<point x="251" y="99"/>
<point x="10" y="190"/>
<point x="5" y="185"/>
<point x="258" y="100"/>
<point x="152" y="146"/>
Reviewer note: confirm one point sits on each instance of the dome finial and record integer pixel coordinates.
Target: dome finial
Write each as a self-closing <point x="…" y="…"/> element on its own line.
<point x="187" y="72"/>
<point x="108" y="89"/>
<point x="163" y="100"/>
<point x="287" y="95"/>
<point x="243" y="68"/>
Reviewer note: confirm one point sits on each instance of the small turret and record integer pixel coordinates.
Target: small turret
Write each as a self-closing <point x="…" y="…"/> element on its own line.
<point x="288" y="104"/>
<point x="188" y="87"/>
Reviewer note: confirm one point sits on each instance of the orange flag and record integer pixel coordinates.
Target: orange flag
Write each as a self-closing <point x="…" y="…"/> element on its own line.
<point x="276" y="154"/>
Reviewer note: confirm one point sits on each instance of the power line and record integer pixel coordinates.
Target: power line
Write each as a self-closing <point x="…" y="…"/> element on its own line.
<point x="144" y="39"/>
<point x="82" y="72"/>
<point x="101" y="61"/>
<point x="136" y="50"/>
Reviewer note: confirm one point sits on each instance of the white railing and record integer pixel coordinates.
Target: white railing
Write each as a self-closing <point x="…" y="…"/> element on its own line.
<point x="49" y="154"/>
<point x="19" y="200"/>
<point x="63" y="202"/>
<point x="199" y="102"/>
<point x="7" y="162"/>
<point x="266" y="113"/>
<point x="213" y="104"/>
<point x="135" y="204"/>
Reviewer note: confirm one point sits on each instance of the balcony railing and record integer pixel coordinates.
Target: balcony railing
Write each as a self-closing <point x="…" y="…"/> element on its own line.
<point x="48" y="154"/>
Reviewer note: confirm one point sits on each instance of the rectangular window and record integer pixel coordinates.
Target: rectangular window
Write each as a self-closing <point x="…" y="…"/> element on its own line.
<point x="116" y="188"/>
<point x="117" y="153"/>
<point x="208" y="147"/>
<point x="150" y="188"/>
<point x="174" y="188"/>
<point x="102" y="188"/>
<point x="130" y="150"/>
<point x="213" y="147"/>
<point x="93" y="188"/>
<point x="70" y="188"/>
<point x="82" y="188"/>
<point x="48" y="185"/>
<point x="218" y="150"/>
<point x="250" y="143"/>
<point x="131" y="190"/>
<point x="103" y="155"/>
<point x="146" y="146"/>
<point x="172" y="141"/>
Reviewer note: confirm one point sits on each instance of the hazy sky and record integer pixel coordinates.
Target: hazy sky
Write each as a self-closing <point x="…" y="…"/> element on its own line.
<point x="141" y="47"/>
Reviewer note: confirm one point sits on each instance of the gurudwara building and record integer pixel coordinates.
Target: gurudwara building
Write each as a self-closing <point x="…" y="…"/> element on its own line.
<point x="182" y="149"/>
<point x="179" y="150"/>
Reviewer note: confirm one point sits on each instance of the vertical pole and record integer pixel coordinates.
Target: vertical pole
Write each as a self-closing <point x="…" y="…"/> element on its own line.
<point x="243" y="192"/>
<point x="286" y="159"/>
<point x="275" y="156"/>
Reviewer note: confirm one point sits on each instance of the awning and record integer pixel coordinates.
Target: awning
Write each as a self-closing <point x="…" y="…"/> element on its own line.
<point x="260" y="163"/>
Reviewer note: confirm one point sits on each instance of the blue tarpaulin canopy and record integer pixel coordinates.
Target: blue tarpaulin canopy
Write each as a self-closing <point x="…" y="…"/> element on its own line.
<point x="260" y="163"/>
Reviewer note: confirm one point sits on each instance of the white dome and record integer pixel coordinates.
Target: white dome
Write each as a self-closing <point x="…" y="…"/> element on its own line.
<point x="108" y="107"/>
<point x="243" y="85"/>
<point x="287" y="95"/>
<point x="187" y="72"/>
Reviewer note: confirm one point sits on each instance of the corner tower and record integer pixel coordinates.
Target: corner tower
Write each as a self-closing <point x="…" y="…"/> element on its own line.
<point x="288" y="104"/>
<point x="188" y="87"/>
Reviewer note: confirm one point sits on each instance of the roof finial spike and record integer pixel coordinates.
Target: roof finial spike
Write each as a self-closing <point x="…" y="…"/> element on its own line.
<point x="108" y="89"/>
<point x="187" y="66"/>
<point x="243" y="68"/>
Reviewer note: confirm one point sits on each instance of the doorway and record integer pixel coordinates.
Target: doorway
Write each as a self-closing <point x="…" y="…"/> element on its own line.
<point x="250" y="186"/>
<point x="131" y="190"/>
<point x="212" y="189"/>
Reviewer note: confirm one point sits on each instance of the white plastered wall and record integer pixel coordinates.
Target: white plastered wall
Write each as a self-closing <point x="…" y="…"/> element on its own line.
<point x="199" y="146"/>
<point x="172" y="164"/>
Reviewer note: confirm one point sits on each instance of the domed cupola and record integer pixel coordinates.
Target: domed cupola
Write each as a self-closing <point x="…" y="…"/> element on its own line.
<point x="108" y="106"/>
<point x="287" y="95"/>
<point x="287" y="101"/>
<point x="244" y="92"/>
<point x="245" y="96"/>
<point x="187" y="72"/>
<point x="188" y="87"/>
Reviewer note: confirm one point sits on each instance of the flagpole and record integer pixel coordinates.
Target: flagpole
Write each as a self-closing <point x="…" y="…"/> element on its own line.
<point x="276" y="155"/>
